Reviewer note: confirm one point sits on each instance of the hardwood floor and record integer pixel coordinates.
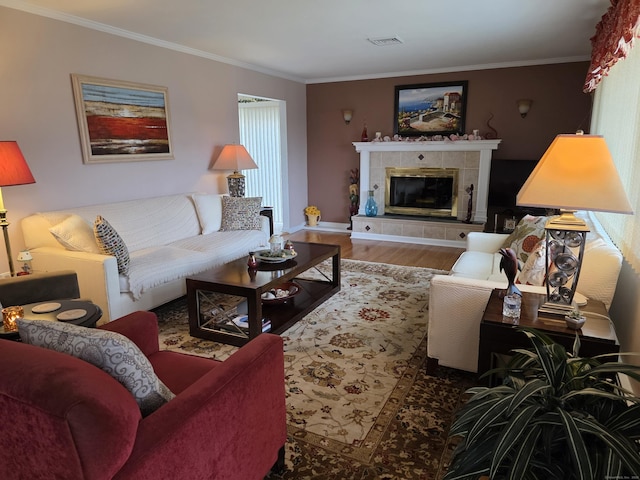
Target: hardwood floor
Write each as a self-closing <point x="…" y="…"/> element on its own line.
<point x="394" y="253"/>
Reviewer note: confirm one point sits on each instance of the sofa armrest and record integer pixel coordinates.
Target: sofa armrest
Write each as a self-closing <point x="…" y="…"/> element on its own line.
<point x="485" y="242"/>
<point x="139" y="327"/>
<point x="456" y="306"/>
<point x="228" y="424"/>
<point x="39" y="287"/>
<point x="97" y="274"/>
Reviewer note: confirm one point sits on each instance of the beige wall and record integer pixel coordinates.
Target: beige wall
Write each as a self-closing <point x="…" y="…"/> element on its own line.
<point x="37" y="56"/>
<point x="559" y="106"/>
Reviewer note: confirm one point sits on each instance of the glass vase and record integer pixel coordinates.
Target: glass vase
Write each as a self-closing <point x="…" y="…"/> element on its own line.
<point x="371" y="207"/>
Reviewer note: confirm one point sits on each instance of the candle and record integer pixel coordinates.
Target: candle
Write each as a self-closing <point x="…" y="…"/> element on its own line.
<point x="9" y="317"/>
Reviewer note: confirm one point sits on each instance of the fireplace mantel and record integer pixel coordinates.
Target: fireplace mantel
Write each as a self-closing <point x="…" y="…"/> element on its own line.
<point x="481" y="190"/>
<point x="473" y="157"/>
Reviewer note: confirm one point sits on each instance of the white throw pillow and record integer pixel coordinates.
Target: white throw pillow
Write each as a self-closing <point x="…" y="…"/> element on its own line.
<point x="209" y="209"/>
<point x="110" y="351"/>
<point x="75" y="233"/>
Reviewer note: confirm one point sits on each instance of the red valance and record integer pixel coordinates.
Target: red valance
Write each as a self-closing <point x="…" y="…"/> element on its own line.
<point x="613" y="39"/>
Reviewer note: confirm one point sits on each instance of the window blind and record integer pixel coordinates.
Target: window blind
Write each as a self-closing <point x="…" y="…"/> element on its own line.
<point x="616" y="116"/>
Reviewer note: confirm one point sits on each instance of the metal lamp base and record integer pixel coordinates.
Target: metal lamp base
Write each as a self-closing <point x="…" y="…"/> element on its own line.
<point x="564" y="234"/>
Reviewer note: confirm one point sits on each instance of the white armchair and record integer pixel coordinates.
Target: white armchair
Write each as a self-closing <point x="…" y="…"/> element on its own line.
<point x="457" y="301"/>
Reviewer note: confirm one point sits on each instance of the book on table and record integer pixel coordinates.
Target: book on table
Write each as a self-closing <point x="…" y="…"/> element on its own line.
<point x="241" y="322"/>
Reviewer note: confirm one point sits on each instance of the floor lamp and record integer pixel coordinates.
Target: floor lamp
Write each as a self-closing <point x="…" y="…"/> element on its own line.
<point x="13" y="171"/>
<point x="236" y="158"/>
<point x="575" y="173"/>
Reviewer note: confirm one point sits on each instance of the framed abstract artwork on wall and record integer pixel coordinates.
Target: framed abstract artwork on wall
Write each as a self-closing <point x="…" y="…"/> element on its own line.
<point x="430" y="109"/>
<point x="121" y="121"/>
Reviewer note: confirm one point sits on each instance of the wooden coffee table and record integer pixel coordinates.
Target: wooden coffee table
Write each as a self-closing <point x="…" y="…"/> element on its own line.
<point x="236" y="278"/>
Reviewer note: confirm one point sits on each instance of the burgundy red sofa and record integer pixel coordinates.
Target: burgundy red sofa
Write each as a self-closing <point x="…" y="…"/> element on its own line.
<point x="63" y="418"/>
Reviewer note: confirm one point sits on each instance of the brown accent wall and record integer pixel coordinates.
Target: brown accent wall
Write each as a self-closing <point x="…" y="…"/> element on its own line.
<point x="559" y="106"/>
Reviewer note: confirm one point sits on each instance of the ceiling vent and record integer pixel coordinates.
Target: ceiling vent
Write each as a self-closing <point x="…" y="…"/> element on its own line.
<point x="384" y="41"/>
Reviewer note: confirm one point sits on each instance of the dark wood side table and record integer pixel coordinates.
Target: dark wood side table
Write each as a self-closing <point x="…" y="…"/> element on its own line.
<point x="89" y="319"/>
<point x="499" y="334"/>
<point x="268" y="212"/>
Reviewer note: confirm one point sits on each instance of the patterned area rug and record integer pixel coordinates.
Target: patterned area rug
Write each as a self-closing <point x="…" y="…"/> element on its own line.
<point x="359" y="403"/>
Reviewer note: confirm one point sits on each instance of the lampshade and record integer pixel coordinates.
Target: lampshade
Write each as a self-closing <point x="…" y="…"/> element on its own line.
<point x="575" y="173"/>
<point x="234" y="157"/>
<point x="13" y="167"/>
<point x="13" y="171"/>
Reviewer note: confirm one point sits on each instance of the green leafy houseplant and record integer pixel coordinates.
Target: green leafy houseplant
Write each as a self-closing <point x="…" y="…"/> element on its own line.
<point x="556" y="416"/>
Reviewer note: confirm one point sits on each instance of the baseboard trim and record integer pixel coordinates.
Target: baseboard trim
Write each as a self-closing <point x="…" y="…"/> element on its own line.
<point x="402" y="239"/>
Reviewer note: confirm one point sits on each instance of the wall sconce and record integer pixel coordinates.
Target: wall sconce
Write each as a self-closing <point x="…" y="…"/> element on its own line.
<point x="523" y="106"/>
<point x="347" y="115"/>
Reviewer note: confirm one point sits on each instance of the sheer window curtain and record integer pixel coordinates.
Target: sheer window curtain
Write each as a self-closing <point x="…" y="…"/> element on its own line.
<point x="616" y="116"/>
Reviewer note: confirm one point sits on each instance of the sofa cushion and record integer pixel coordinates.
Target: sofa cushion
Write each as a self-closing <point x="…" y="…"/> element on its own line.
<point x="241" y="213"/>
<point x="110" y="243"/>
<point x="471" y="264"/>
<point x="75" y="233"/>
<point x="528" y="232"/>
<point x="155" y="266"/>
<point x="110" y="351"/>
<point x="209" y="210"/>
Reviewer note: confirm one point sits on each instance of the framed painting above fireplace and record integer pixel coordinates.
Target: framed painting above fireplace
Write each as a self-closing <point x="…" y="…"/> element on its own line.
<point x="429" y="109"/>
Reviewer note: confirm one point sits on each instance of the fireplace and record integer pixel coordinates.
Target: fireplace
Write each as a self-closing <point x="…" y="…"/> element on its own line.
<point x="427" y="192"/>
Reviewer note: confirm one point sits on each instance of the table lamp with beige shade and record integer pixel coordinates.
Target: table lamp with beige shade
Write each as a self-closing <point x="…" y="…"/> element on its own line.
<point x="13" y="171"/>
<point x="575" y="173"/>
<point x="234" y="157"/>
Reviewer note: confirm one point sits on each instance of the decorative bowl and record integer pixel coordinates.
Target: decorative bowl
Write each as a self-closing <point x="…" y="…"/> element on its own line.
<point x="281" y="256"/>
<point x="280" y="293"/>
<point x="575" y="323"/>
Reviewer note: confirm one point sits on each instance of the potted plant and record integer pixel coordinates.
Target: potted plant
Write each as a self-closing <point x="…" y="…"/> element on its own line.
<point x="556" y="416"/>
<point x="575" y="319"/>
<point x="313" y="215"/>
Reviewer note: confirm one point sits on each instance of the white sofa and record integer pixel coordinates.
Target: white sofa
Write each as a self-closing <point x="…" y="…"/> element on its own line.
<point x="457" y="301"/>
<point x="167" y="238"/>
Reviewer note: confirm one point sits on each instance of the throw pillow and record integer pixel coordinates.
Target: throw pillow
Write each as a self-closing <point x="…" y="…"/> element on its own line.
<point x="528" y="233"/>
<point x="110" y="351"/>
<point x="534" y="270"/>
<point x="241" y="213"/>
<point x="209" y="210"/>
<point x="75" y="233"/>
<point x="110" y="243"/>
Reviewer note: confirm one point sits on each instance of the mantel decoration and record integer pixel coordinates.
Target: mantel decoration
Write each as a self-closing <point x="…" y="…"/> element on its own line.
<point x="354" y="196"/>
<point x="430" y="109"/>
<point x="121" y="121"/>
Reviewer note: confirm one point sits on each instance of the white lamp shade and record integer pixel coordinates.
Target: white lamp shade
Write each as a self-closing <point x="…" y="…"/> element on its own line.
<point x="234" y="157"/>
<point x="576" y="173"/>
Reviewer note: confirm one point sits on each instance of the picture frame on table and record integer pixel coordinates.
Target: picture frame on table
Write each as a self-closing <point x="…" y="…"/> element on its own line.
<point x="428" y="109"/>
<point x="121" y="121"/>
